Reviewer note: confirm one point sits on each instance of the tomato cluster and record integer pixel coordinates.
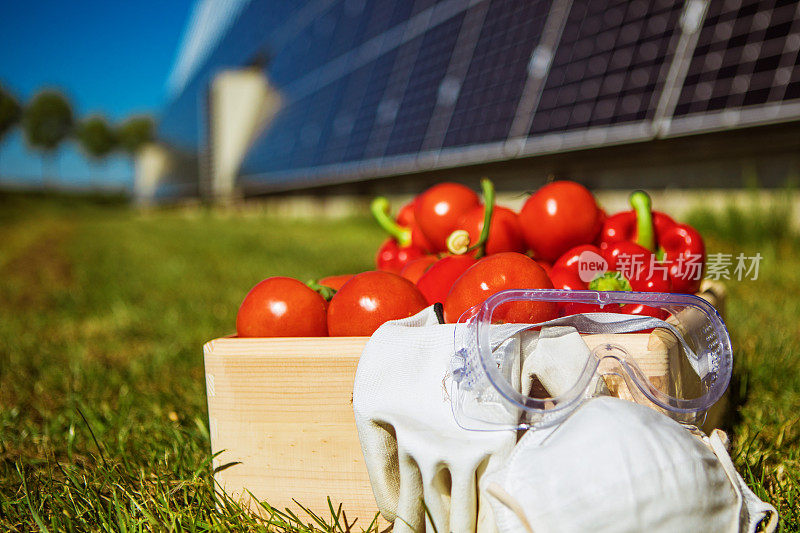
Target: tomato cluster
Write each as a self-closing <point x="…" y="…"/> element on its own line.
<point x="285" y="307"/>
<point x="447" y="246"/>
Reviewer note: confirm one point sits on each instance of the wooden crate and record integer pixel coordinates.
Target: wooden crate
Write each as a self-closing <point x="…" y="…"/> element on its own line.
<point x="282" y="409"/>
<point x="280" y="415"/>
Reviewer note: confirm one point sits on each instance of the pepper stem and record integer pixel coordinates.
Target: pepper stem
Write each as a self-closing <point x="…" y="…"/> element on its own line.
<point x="487" y="188"/>
<point x="645" y="233"/>
<point x="380" y="210"/>
<point x="610" y="281"/>
<point x="458" y="242"/>
<point x="323" y="290"/>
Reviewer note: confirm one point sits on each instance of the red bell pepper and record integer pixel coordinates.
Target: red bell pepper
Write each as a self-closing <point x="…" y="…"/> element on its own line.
<point x="437" y="281"/>
<point x="465" y="247"/>
<point x="610" y="273"/>
<point x="437" y="210"/>
<point x="406" y="219"/>
<point x="406" y="242"/>
<point x="392" y="257"/>
<point x="639" y="266"/>
<point x="479" y="226"/>
<point x="679" y="247"/>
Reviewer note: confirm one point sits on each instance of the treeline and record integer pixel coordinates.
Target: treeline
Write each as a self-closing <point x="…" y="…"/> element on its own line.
<point x="48" y="120"/>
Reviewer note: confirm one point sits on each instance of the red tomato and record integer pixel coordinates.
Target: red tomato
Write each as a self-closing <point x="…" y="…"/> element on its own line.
<point x="567" y="278"/>
<point x="438" y="209"/>
<point x="282" y="307"/>
<point x="559" y="216"/>
<point x="368" y="300"/>
<point x="335" y="282"/>
<point x="416" y="268"/>
<point x="548" y="267"/>
<point x="495" y="273"/>
<point x="505" y="234"/>
<point x="571" y="257"/>
<point x="436" y="282"/>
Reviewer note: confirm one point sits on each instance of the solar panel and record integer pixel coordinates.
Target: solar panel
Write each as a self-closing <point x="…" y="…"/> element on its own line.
<point x="368" y="111"/>
<point x="493" y="84"/>
<point x="609" y="65"/>
<point x="339" y="126"/>
<point x="746" y="56"/>
<point x="379" y="87"/>
<point x="407" y="130"/>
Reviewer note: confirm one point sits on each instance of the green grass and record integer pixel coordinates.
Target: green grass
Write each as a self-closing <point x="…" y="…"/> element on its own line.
<point x="103" y="312"/>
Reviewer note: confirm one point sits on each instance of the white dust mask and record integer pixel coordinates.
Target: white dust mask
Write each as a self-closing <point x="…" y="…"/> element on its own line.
<point x="613" y="465"/>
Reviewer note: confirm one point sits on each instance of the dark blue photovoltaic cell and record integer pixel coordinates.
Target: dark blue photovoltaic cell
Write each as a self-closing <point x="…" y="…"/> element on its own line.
<point x="384" y="15"/>
<point x="421" y="5"/>
<point x="610" y="64"/>
<point x="746" y="54"/>
<point x="386" y="112"/>
<point x="493" y="85"/>
<point x="336" y="131"/>
<point x="300" y="55"/>
<point x="297" y="133"/>
<point x="420" y="95"/>
<point x="366" y="114"/>
<point x="280" y="145"/>
<point x="348" y="31"/>
<point x="320" y="107"/>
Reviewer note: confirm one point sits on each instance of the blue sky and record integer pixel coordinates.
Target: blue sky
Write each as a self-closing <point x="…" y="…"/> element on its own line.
<point x="109" y="57"/>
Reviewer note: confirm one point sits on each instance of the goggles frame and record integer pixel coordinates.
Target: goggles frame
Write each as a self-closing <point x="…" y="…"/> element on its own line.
<point x="474" y="365"/>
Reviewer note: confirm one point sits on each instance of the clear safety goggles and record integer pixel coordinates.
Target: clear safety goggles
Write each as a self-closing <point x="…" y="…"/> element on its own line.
<point x="523" y="375"/>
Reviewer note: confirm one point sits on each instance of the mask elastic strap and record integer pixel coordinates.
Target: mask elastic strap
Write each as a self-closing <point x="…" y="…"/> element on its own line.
<point x="758" y="513"/>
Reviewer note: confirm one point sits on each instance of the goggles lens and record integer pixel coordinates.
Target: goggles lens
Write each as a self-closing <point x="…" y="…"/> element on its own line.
<point x="526" y="358"/>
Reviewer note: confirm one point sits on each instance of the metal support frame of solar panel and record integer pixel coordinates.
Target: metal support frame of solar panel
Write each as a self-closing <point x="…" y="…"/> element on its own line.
<point x="643" y="25"/>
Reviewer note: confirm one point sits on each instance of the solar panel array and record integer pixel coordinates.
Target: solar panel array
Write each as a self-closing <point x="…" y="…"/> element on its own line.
<point x="380" y="87"/>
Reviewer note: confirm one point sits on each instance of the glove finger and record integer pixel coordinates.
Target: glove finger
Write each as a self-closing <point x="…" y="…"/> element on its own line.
<point x="410" y="512"/>
<point x="437" y="483"/>
<point x="379" y="446"/>
<point x="464" y="498"/>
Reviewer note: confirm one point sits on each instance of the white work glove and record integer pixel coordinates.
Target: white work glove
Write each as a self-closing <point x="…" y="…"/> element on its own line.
<point x="413" y="448"/>
<point x="556" y="356"/>
<point x="614" y="465"/>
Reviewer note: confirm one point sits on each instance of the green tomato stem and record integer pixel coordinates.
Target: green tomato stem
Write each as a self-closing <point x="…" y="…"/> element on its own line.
<point x="645" y="233"/>
<point x="380" y="211"/>
<point x="487" y="187"/>
<point x="323" y="290"/>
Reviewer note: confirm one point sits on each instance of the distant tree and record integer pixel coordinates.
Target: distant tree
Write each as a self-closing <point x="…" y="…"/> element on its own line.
<point x="135" y="132"/>
<point x="47" y="121"/>
<point x="96" y="137"/>
<point x="10" y="112"/>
